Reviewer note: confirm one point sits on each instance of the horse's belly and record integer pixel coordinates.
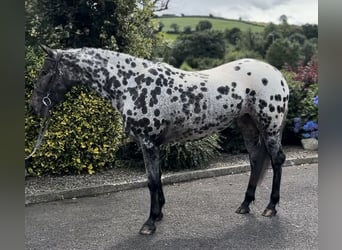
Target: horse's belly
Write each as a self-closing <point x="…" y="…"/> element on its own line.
<point x="194" y="130"/>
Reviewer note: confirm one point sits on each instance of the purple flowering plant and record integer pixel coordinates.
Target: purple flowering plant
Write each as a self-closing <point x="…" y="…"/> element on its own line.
<point x="307" y="128"/>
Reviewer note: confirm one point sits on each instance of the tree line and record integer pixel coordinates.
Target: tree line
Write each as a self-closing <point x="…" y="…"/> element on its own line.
<point x="281" y="45"/>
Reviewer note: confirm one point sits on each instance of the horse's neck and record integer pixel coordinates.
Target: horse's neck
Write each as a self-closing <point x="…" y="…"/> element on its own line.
<point x="104" y="71"/>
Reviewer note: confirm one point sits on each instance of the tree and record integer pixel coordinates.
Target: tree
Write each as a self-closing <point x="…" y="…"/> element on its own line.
<point x="161" y="26"/>
<point x="187" y="30"/>
<point x="297" y="37"/>
<point x="208" y="43"/>
<point x="175" y="27"/>
<point x="203" y="25"/>
<point x="113" y="24"/>
<point x="251" y="41"/>
<point x="233" y="35"/>
<point x="282" y="52"/>
<point x="283" y="19"/>
<point x="310" y="30"/>
<point x="309" y="50"/>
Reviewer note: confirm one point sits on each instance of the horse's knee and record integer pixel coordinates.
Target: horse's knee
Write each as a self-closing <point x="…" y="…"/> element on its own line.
<point x="279" y="158"/>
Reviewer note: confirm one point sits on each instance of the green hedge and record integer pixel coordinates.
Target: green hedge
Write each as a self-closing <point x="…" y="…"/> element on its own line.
<point x="193" y="154"/>
<point x="175" y="156"/>
<point x="83" y="135"/>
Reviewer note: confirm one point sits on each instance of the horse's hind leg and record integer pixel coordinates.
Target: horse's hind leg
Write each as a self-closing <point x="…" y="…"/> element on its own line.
<point x="152" y="164"/>
<point x="258" y="157"/>
<point x="273" y="145"/>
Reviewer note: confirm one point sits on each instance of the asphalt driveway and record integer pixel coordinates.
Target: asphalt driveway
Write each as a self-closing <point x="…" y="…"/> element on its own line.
<point x="197" y="215"/>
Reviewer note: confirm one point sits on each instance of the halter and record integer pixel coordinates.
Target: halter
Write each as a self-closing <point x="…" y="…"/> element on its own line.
<point x="46" y="102"/>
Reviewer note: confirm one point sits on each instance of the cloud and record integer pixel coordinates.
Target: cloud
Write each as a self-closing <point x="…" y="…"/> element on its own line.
<point x="266" y="4"/>
<point x="298" y="12"/>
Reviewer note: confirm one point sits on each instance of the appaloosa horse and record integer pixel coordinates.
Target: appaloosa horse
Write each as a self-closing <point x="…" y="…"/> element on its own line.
<point x="161" y="104"/>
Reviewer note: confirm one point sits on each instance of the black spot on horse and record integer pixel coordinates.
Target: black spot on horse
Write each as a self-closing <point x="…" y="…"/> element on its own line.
<point x="183" y="97"/>
<point x="264" y="81"/>
<point x="225" y="106"/>
<point x="143" y="122"/>
<point x="271" y="108"/>
<point x="140" y="79"/>
<point x="223" y="90"/>
<point x="197" y="108"/>
<point x="153" y="72"/>
<point x="204" y="89"/>
<point x="249" y="73"/>
<point x="252" y="93"/>
<point x="169" y="91"/>
<point x="236" y="96"/>
<point x="148" y="80"/>
<point x="174" y="99"/>
<point x="262" y="104"/>
<point x="140" y="101"/>
<point x="237" y="68"/>
<point x="159" y="82"/>
<point x="185" y="109"/>
<point x="154" y="92"/>
<point x="133" y="92"/>
<point x="133" y="64"/>
<point x="239" y="105"/>
<point x="280" y="109"/>
<point x="247" y="90"/>
<point x="179" y="120"/>
<point x="157" y="112"/>
<point x="234" y="84"/>
<point x="277" y="98"/>
<point x="129" y="112"/>
<point x="282" y="83"/>
<point x="202" y="84"/>
<point x="116" y="83"/>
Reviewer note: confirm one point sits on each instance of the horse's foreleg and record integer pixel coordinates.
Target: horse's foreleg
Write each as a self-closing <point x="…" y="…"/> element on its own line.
<point x="152" y="164"/>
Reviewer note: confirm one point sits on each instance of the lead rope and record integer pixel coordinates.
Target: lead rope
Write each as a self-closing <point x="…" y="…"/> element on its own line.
<point x="43" y="126"/>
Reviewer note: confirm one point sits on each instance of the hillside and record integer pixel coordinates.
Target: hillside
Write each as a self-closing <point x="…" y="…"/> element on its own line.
<point x="218" y="24"/>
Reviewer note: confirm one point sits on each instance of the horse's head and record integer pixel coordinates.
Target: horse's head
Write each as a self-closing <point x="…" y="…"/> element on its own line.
<point x="52" y="83"/>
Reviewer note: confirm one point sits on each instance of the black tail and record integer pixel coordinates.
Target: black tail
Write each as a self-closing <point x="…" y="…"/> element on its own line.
<point x="262" y="162"/>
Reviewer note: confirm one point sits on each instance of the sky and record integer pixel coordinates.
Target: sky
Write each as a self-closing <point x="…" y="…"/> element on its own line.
<point x="297" y="11"/>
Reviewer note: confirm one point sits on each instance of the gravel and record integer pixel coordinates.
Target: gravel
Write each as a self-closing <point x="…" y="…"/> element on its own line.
<point x="48" y="184"/>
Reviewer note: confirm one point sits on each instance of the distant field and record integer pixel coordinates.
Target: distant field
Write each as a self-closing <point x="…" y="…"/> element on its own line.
<point x="218" y="23"/>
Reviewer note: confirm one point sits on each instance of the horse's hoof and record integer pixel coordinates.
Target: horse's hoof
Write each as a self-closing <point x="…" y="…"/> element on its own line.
<point x="147" y="229"/>
<point x="242" y="210"/>
<point x="269" y="212"/>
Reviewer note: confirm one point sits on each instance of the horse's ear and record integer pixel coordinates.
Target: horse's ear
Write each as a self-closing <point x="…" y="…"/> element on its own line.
<point x="52" y="53"/>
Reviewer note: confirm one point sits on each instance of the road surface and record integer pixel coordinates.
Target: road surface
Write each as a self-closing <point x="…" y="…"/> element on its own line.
<point x="197" y="215"/>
